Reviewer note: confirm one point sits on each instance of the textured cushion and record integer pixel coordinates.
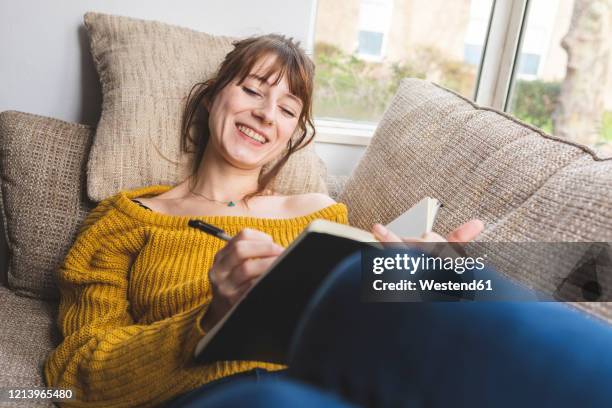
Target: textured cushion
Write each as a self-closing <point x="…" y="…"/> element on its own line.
<point x="479" y="163"/>
<point x="304" y="172"/>
<point x="42" y="178"/>
<point x="27" y="335"/>
<point x="147" y="69"/>
<point x="4" y="255"/>
<point x="524" y="184"/>
<point x="335" y="185"/>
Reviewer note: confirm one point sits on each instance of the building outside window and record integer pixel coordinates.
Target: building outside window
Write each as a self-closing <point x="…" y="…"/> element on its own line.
<point x="374" y="22"/>
<point x="363" y="48"/>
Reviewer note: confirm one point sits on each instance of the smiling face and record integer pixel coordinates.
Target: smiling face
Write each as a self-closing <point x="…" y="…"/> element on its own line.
<point x="251" y="122"/>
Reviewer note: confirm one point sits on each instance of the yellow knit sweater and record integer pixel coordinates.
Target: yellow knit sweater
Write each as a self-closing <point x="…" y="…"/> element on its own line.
<point x="134" y="287"/>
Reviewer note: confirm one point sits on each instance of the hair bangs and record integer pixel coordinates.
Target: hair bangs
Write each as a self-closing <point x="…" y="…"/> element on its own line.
<point x="285" y="64"/>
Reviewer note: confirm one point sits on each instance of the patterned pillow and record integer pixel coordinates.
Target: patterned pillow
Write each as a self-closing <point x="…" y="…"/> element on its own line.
<point x="147" y="69"/>
<point x="42" y="176"/>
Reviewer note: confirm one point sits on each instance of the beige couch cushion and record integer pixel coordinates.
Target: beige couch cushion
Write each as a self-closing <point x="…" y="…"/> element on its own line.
<point x="28" y="335"/>
<point x="42" y="177"/>
<point x="335" y="185"/>
<point x="524" y="184"/>
<point x="477" y="162"/>
<point x="147" y="69"/>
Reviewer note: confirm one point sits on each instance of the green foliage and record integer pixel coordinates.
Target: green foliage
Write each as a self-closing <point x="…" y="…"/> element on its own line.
<point x="430" y="63"/>
<point x="349" y="87"/>
<point x="606" y="128"/>
<point x="346" y="86"/>
<point x="535" y="101"/>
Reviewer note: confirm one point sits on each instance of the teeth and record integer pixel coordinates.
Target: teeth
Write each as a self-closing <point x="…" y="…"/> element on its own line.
<point x="252" y="134"/>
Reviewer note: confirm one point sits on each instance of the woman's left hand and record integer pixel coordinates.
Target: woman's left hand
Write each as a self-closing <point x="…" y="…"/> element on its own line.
<point x="464" y="233"/>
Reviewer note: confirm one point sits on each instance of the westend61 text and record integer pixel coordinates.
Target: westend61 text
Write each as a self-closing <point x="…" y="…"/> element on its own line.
<point x="429" y="284"/>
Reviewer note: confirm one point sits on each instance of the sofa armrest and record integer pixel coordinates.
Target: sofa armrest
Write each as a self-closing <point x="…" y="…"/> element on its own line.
<point x="4" y="254"/>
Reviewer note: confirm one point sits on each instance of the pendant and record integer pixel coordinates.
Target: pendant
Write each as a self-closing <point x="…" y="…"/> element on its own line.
<point x="231" y="204"/>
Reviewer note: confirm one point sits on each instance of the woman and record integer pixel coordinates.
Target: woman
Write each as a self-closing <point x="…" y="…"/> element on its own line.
<point x="139" y="288"/>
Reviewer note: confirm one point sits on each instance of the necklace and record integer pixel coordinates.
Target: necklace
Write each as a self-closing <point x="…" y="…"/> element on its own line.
<point x="230" y="203"/>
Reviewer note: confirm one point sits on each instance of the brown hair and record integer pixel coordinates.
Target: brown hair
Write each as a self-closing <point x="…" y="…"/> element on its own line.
<point x="291" y="61"/>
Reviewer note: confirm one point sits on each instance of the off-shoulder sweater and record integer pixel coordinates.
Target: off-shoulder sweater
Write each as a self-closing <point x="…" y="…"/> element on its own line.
<point x="133" y="289"/>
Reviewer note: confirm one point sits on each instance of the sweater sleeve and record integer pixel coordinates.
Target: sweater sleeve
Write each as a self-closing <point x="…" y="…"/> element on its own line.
<point x="105" y="358"/>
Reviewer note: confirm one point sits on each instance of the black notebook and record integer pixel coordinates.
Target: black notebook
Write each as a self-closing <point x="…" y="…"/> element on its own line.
<point x="260" y="326"/>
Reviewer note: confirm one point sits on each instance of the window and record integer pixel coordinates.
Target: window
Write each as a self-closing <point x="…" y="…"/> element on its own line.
<point x="363" y="48"/>
<point x="480" y="14"/>
<point x="524" y="70"/>
<point x="537" y="38"/>
<point x="528" y="64"/>
<point x="370" y="43"/>
<point x="575" y="104"/>
<point x="471" y="53"/>
<point x="374" y="21"/>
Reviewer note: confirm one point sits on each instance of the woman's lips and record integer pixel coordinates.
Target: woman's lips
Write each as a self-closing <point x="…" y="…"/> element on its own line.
<point x="248" y="139"/>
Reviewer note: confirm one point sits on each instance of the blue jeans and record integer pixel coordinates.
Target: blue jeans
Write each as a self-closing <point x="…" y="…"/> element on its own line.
<point x="436" y="354"/>
<point x="192" y="398"/>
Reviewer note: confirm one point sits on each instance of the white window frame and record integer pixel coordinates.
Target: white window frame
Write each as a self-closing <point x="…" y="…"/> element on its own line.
<point x="501" y="53"/>
<point x="344" y="132"/>
<point x="493" y="84"/>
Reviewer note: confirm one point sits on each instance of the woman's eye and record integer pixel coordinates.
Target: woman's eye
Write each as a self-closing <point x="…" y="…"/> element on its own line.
<point x="249" y="91"/>
<point x="288" y="112"/>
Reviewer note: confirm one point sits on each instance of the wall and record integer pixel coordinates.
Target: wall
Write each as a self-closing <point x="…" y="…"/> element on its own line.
<point x="340" y="159"/>
<point x="45" y="66"/>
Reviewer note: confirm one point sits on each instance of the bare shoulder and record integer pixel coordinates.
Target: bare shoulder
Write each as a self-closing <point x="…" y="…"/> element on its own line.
<point x="164" y="202"/>
<point x="303" y="204"/>
<point x="152" y="202"/>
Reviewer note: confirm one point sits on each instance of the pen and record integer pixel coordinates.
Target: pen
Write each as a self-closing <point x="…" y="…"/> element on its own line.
<point x="209" y="229"/>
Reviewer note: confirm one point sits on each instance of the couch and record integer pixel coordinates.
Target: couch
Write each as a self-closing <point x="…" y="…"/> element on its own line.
<point x="526" y="185"/>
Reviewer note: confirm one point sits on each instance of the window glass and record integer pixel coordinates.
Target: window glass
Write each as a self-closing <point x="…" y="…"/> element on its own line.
<point x="370" y="43"/>
<point x="363" y="48"/>
<point x="472" y="53"/>
<point x="563" y="77"/>
<point x="528" y="65"/>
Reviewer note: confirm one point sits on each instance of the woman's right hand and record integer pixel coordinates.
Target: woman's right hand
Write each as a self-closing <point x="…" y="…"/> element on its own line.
<point x="235" y="268"/>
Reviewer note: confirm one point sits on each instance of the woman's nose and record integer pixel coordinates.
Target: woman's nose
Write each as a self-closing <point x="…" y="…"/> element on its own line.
<point x="266" y="113"/>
